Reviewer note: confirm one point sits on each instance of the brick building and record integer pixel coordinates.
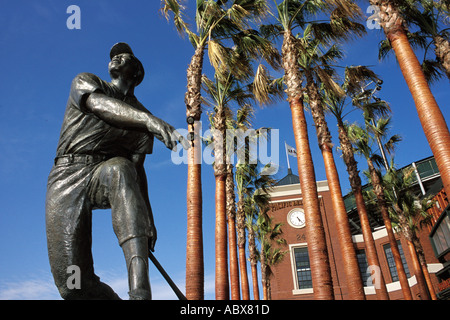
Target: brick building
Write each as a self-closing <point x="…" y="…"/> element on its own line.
<point x="292" y="277"/>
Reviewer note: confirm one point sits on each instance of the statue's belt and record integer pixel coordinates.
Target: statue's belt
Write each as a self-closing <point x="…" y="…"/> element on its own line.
<point x="81" y="158"/>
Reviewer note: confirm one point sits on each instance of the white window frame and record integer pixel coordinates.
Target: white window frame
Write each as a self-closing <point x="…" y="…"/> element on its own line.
<point x="296" y="290"/>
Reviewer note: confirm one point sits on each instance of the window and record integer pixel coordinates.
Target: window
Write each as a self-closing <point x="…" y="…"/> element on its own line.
<point x="363" y="265"/>
<point x="441" y="236"/>
<point x="303" y="268"/>
<point x="391" y="261"/>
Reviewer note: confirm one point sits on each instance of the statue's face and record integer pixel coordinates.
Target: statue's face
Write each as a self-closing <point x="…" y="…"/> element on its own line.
<point x="122" y="64"/>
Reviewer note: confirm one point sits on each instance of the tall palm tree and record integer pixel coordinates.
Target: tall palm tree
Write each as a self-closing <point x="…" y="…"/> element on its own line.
<point x="245" y="176"/>
<point x="430" y="115"/>
<point x="241" y="124"/>
<point x="426" y="18"/>
<point x="270" y="239"/>
<point x="315" y="65"/>
<point x="404" y="212"/>
<point x="336" y="104"/>
<point x="361" y="140"/>
<point x="231" y="219"/>
<point x="290" y="15"/>
<point x="253" y="188"/>
<point x="214" y="20"/>
<point x="223" y="91"/>
<point x="206" y="19"/>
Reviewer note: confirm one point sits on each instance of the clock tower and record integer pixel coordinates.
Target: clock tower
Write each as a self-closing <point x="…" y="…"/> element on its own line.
<point x="292" y="276"/>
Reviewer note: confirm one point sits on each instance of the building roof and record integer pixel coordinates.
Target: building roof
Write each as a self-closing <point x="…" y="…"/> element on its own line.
<point x="289" y="179"/>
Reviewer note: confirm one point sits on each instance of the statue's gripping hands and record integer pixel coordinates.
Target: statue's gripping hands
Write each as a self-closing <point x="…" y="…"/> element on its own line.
<point x="105" y="136"/>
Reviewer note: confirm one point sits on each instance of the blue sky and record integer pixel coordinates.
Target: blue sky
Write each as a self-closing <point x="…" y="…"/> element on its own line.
<point x="39" y="58"/>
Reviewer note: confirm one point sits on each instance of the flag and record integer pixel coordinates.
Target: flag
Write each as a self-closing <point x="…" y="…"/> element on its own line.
<point x="291" y="151"/>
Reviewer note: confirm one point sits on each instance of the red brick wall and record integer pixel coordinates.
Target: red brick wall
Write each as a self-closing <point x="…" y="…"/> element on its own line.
<point x="282" y="282"/>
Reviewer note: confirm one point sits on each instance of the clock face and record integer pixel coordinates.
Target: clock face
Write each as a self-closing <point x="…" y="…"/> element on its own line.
<point x="296" y="218"/>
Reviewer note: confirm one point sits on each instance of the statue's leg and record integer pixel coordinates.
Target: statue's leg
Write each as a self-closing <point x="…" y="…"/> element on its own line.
<point x="118" y="188"/>
<point x="136" y="257"/>
<point x="69" y="224"/>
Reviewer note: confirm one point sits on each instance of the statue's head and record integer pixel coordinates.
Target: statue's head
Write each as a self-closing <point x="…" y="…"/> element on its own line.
<point x="124" y="63"/>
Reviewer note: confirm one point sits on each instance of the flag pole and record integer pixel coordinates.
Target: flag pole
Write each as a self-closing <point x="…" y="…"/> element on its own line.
<point x="287" y="155"/>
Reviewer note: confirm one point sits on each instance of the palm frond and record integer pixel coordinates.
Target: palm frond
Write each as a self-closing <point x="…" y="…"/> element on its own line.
<point x="260" y="85"/>
<point x="433" y="70"/>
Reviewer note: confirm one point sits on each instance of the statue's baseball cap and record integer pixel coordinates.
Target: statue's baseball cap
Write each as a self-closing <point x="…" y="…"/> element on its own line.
<point x="122" y="47"/>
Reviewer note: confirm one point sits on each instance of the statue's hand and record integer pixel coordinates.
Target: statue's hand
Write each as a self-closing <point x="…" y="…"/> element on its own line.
<point x="152" y="239"/>
<point x="166" y="133"/>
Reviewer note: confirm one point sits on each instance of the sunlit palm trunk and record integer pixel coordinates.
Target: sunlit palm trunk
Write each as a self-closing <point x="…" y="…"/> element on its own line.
<point x="221" y="239"/>
<point x="418" y="272"/>
<point x="417" y="268"/>
<point x="423" y="264"/>
<point x="254" y="263"/>
<point x="351" y="267"/>
<point x="431" y="118"/>
<point x="221" y="282"/>
<point x="255" y="281"/>
<point x="231" y="213"/>
<point x="317" y="247"/>
<point x="240" y="225"/>
<point x="194" y="243"/>
<point x="355" y="182"/>
<point x="379" y="192"/>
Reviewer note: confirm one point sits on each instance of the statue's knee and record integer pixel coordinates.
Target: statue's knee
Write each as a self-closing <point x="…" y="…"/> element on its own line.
<point x="122" y="168"/>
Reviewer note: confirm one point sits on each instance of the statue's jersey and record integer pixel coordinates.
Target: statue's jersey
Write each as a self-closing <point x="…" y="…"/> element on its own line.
<point x="83" y="132"/>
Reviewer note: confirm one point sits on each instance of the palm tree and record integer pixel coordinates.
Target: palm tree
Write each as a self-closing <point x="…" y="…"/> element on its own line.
<point x="431" y="118"/>
<point x="354" y="78"/>
<point x="225" y="90"/>
<point x="315" y="65"/>
<point x="290" y="15"/>
<point x="242" y="123"/>
<point x="361" y="140"/>
<point x="244" y="180"/>
<point x="427" y="16"/>
<point x="206" y="19"/>
<point x="404" y="212"/>
<point x="214" y="20"/>
<point x="270" y="255"/>
<point x="254" y="196"/>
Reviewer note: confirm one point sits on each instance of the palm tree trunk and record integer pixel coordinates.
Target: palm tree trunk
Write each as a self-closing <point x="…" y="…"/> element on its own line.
<point x="423" y="264"/>
<point x="442" y="52"/>
<point x="431" y="118"/>
<point x="220" y="173"/>
<point x="317" y="246"/>
<point x="231" y="214"/>
<point x="379" y="192"/>
<point x="194" y="242"/>
<point x="355" y="183"/>
<point x="221" y="282"/>
<point x="254" y="268"/>
<point x="418" y="272"/>
<point x="263" y="273"/>
<point x="417" y="268"/>
<point x="240" y="226"/>
<point x="253" y="262"/>
<point x="351" y="267"/>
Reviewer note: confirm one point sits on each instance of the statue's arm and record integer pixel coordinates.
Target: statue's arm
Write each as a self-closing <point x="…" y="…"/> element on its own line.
<point x="121" y="114"/>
